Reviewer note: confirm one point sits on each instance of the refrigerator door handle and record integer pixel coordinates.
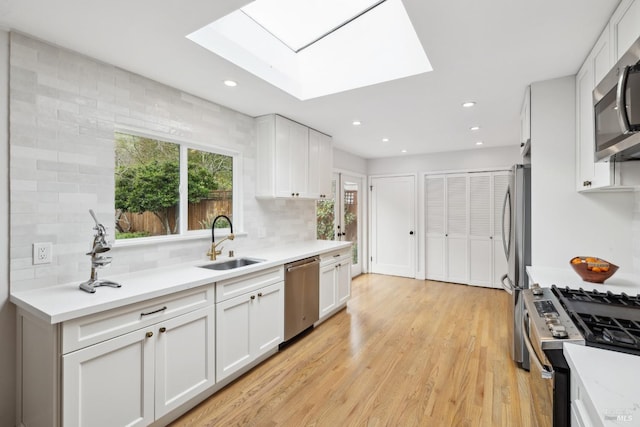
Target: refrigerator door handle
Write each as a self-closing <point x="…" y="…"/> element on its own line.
<point x="506" y="237"/>
<point x="507" y="286"/>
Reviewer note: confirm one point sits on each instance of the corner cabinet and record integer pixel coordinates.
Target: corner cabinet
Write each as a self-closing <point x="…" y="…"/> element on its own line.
<point x="293" y="161"/>
<point x="335" y="282"/>
<point x="127" y="366"/>
<point x="249" y="319"/>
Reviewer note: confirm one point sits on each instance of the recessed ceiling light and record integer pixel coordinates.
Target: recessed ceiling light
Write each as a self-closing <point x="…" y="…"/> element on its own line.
<point x="230" y="83"/>
<point x="403" y="151"/>
<point x="356" y="123"/>
<point x="474" y="128"/>
<point x="468" y="104"/>
<point x="385" y="139"/>
<point x="479" y="143"/>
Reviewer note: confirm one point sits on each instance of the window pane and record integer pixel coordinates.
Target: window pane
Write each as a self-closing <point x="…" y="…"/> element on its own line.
<point x="210" y="185"/>
<point x="147" y="178"/>
<point x="325" y="216"/>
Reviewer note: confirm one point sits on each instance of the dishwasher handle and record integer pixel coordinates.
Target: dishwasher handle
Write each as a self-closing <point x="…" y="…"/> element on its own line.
<point x="311" y="263"/>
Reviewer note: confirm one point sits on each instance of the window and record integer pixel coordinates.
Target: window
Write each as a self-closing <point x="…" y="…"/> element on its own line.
<point x="149" y="174"/>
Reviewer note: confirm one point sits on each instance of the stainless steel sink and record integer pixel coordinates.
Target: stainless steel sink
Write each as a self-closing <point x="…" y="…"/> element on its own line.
<point x="232" y="263"/>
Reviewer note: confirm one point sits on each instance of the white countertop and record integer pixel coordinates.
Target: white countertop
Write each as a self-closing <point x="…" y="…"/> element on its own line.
<point x="60" y="303"/>
<point x="561" y="277"/>
<point x="612" y="382"/>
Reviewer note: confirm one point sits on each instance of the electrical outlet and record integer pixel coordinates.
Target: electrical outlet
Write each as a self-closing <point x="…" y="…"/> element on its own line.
<point x="42" y="253"/>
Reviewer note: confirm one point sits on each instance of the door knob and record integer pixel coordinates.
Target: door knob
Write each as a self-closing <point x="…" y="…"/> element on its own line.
<point x="411" y="233"/>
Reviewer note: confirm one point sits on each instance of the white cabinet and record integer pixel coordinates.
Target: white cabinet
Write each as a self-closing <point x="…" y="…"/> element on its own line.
<point x="591" y="175"/>
<point x="624" y="27"/>
<point x="463" y="229"/>
<point x="144" y="374"/>
<point x="525" y="122"/>
<point x="126" y="366"/>
<point x="335" y="282"/>
<point x="293" y="161"/>
<point x="251" y="324"/>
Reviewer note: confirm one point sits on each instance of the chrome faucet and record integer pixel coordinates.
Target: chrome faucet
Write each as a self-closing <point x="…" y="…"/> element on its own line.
<point x="213" y="252"/>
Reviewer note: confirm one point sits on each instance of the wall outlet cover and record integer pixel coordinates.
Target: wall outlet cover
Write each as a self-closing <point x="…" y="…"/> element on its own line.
<point x="42" y="253"/>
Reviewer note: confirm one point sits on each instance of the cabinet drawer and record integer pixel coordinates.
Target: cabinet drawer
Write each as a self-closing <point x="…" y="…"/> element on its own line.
<point x="335" y="256"/>
<point x="230" y="288"/>
<point x="88" y="330"/>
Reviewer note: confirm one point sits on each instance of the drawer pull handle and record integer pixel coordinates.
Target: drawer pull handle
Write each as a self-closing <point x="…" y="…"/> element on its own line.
<point x="149" y="334"/>
<point x="154" y="311"/>
<point x="163" y="329"/>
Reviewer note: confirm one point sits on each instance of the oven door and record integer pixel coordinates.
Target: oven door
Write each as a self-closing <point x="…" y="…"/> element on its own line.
<point x="541" y="378"/>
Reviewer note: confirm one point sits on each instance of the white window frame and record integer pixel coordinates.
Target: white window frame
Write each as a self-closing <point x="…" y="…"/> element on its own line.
<point x="183" y="233"/>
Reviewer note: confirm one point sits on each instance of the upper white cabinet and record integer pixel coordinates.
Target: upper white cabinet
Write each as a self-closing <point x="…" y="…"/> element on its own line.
<point x="463" y="230"/>
<point x="525" y="122"/>
<point x="589" y="174"/>
<point x="624" y="27"/>
<point x="293" y="161"/>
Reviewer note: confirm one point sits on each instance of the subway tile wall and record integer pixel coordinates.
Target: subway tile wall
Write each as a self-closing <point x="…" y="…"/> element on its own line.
<point x="64" y="108"/>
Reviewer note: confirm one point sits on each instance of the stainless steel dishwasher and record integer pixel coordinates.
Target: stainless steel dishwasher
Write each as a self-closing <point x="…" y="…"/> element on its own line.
<point x="301" y="295"/>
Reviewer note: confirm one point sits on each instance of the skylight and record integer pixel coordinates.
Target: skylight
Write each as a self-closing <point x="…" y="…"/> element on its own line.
<point x="312" y="48"/>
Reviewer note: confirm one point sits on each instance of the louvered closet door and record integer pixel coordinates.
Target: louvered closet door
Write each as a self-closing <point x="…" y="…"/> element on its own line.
<point x="480" y="238"/>
<point x="500" y="183"/>
<point x="435" y="241"/>
<point x="456" y="233"/>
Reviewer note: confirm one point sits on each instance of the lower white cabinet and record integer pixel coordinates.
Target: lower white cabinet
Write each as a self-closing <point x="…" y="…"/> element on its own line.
<point x="247" y="327"/>
<point x="138" y="377"/>
<point x="335" y="282"/>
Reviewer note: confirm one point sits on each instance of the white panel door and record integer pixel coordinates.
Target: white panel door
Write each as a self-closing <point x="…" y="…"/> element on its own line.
<point x="480" y="245"/>
<point x="233" y="335"/>
<point x="500" y="183"/>
<point x="393" y="225"/>
<point x="184" y="358"/>
<point x="457" y="229"/>
<point x="267" y="319"/>
<point x="435" y="214"/>
<point x="111" y="383"/>
<point x="328" y="289"/>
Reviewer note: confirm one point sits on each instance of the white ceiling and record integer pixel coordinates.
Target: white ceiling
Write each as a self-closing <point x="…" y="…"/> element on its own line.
<point x="486" y="51"/>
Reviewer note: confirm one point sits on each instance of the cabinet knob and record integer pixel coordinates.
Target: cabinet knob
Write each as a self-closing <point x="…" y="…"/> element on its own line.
<point x="297" y="194"/>
<point x="586" y="183"/>
<point x="411" y="233"/>
<point x="259" y="294"/>
<point x="163" y="330"/>
<point x="253" y="297"/>
<point x="149" y="334"/>
<point x="293" y="194"/>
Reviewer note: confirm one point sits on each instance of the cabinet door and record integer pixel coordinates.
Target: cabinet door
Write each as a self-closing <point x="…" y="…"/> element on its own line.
<point x="320" y="165"/>
<point x="343" y="281"/>
<point x="233" y="335"/>
<point x="435" y="228"/>
<point x="267" y="319"/>
<point x="328" y="291"/>
<point x="292" y="140"/>
<point x="480" y="247"/>
<point x="457" y="228"/>
<point x="111" y="383"/>
<point x="184" y="358"/>
<point x="625" y="25"/>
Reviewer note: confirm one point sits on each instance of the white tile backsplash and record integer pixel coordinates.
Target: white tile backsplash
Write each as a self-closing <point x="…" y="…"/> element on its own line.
<point x="64" y="108"/>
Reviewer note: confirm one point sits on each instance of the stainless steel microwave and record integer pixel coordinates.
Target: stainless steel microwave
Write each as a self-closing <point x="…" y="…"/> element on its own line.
<point x="616" y="104"/>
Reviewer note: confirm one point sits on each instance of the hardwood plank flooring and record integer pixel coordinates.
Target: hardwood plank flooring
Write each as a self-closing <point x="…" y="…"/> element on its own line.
<point x="404" y="353"/>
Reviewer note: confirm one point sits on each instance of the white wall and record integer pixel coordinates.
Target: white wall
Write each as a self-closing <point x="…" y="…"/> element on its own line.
<point x="453" y="160"/>
<point x="349" y="162"/>
<point x="7" y="310"/>
<point x="64" y="110"/>
<point x="566" y="223"/>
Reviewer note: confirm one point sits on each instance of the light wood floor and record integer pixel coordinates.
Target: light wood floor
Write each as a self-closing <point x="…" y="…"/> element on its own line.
<point x="404" y="353"/>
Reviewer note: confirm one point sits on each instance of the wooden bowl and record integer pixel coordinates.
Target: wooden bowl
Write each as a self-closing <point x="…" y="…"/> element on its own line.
<point x="593" y="269"/>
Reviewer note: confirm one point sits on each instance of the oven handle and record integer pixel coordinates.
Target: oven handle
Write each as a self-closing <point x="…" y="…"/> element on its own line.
<point x="621" y="101"/>
<point x="546" y="372"/>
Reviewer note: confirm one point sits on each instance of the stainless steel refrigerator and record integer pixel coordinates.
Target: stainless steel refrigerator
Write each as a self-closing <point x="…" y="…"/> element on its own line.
<point x="516" y="239"/>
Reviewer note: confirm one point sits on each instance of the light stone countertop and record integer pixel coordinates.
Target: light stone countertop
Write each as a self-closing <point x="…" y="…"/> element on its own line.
<point x="65" y="302"/>
<point x="611" y="381"/>
<point x="561" y="277"/>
